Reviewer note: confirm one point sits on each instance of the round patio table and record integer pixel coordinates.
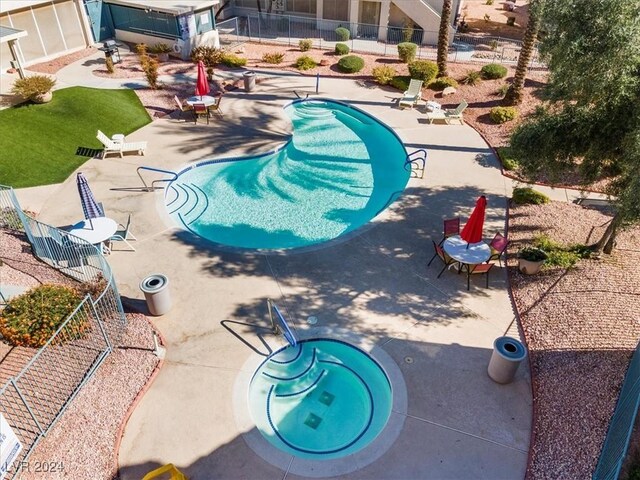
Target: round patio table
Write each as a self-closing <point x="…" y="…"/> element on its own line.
<point x="207" y="100"/>
<point x="95" y="231"/>
<point x="457" y="249"/>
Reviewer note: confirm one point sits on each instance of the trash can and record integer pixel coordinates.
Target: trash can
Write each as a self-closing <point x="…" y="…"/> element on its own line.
<point x="249" y="81"/>
<point x="507" y="355"/>
<point x="156" y="293"/>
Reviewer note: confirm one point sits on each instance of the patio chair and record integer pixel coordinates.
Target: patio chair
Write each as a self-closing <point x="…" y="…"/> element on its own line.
<point x="479" y="269"/>
<point x="183" y="109"/>
<point x="216" y="106"/>
<point x="448" y="114"/>
<point x="451" y="228"/>
<point x="123" y="234"/>
<point x="498" y="247"/>
<point x="442" y="255"/>
<point x="200" y="110"/>
<point x="412" y="95"/>
<point x="111" y="146"/>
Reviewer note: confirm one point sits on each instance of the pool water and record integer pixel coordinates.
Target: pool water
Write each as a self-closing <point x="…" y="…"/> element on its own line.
<point x="340" y="169"/>
<point x="322" y="399"/>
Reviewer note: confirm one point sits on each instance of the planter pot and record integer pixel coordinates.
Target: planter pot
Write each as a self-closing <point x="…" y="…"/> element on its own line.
<point x="528" y="267"/>
<point x="163" y="57"/>
<point x="42" y="98"/>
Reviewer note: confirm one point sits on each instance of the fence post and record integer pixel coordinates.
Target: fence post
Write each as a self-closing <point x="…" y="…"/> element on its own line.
<point x="259" y="33"/>
<point x="289" y="24"/>
<point x="24" y="401"/>
<point x="237" y="31"/>
<point x="249" y="27"/>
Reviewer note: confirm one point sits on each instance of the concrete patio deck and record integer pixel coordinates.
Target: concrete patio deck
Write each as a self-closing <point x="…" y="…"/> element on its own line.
<point x="376" y="285"/>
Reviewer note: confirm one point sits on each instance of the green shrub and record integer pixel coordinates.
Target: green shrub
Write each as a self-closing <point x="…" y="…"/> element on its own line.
<point x="508" y="162"/>
<point x="502" y="90"/>
<point x="231" y="60"/>
<point x="150" y="69"/>
<point x="342" y="34"/>
<point x="401" y="82"/>
<point x="503" y="114"/>
<point x="407" y="51"/>
<point x="351" y="64"/>
<point x="489" y="2"/>
<point x="472" y="77"/>
<point x="32" y="318"/>
<point x="384" y="74"/>
<point x="559" y="255"/>
<point x="305" y="62"/>
<point x="33" y="86"/>
<point x="210" y="56"/>
<point x="493" y="71"/>
<point x="342" y="49"/>
<point x="305" y="44"/>
<point x="532" y="254"/>
<point x="273" y="58"/>
<point x="441" y="83"/>
<point x="529" y="196"/>
<point x="160" y="48"/>
<point x="423" y="70"/>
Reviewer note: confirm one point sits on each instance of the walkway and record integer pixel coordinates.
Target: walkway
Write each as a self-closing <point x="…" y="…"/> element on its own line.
<point x="376" y="286"/>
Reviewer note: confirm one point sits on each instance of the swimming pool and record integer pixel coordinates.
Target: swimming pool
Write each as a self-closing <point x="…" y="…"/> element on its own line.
<point x="339" y="170"/>
<point x="322" y="399"/>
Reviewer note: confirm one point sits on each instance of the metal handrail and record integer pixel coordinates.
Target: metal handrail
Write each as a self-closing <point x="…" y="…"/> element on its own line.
<point x="281" y="327"/>
<point x="409" y="161"/>
<point x="159" y="170"/>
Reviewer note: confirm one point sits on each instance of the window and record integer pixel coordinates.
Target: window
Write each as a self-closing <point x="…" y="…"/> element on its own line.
<point x="335" y="10"/>
<point x="136" y="20"/>
<point x="301" y="6"/>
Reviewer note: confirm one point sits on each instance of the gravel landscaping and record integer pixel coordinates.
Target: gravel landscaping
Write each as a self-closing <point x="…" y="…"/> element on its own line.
<point x="84" y="440"/>
<point x="581" y="327"/>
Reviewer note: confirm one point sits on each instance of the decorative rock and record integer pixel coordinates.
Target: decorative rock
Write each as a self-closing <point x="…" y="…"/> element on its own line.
<point x="448" y="91"/>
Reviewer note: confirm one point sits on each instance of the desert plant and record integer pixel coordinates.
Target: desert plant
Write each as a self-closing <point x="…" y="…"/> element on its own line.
<point x="511" y="21"/>
<point x="532" y="254"/>
<point x="489" y="2"/>
<point x="528" y="196"/>
<point x="442" y="53"/>
<point x="273" y="58"/>
<point x="305" y="44"/>
<point x="502" y="114"/>
<point x="109" y="63"/>
<point x="160" y="48"/>
<point x="141" y="49"/>
<point x="502" y="90"/>
<point x="487" y="17"/>
<point x="150" y="68"/>
<point x="506" y="157"/>
<point x="32" y="87"/>
<point x="342" y="34"/>
<point x="342" y="49"/>
<point x="493" y="71"/>
<point x="472" y="77"/>
<point x="407" y="51"/>
<point x="423" y="70"/>
<point x="441" y="83"/>
<point x="384" y="74"/>
<point x="231" y="60"/>
<point x="401" y="82"/>
<point x="210" y="56"/>
<point x="305" y="62"/>
<point x="407" y="30"/>
<point x="493" y="45"/>
<point x="560" y="255"/>
<point x="351" y="64"/>
<point x="32" y="318"/>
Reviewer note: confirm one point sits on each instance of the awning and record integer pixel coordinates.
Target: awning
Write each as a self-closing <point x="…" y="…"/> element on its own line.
<point x="173" y="7"/>
<point x="8" y="33"/>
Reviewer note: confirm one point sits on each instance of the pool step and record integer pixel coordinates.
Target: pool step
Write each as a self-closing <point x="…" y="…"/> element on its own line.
<point x="294" y="375"/>
<point x="187" y="200"/>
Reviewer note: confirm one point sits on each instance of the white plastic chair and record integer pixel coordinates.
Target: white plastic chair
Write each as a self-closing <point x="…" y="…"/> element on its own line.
<point x="110" y="146"/>
<point x="412" y="95"/>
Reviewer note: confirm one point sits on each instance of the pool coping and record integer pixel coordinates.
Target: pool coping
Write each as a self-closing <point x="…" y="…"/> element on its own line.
<point x="333" y="467"/>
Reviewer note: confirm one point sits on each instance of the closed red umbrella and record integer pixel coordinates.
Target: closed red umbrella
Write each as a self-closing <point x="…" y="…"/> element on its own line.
<point x="202" y="85"/>
<point x="472" y="231"/>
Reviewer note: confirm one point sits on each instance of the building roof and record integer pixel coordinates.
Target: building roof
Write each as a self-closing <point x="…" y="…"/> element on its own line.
<point x="175" y="7"/>
<point x="8" y="33"/>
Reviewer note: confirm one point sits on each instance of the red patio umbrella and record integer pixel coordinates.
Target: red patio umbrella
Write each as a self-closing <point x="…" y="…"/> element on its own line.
<point x="202" y="85"/>
<point x="472" y="231"/>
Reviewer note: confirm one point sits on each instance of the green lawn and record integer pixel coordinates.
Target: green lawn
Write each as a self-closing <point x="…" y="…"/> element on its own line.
<point x="38" y="143"/>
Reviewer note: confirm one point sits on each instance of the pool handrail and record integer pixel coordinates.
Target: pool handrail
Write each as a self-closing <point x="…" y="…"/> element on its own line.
<point x="158" y="170"/>
<point x="279" y="324"/>
<point x="409" y="161"/>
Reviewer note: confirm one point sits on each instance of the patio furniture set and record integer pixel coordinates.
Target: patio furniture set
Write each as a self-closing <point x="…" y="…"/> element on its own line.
<point x="433" y="110"/>
<point x="200" y="106"/>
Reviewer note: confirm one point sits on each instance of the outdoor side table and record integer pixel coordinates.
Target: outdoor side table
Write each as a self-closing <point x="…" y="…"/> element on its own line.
<point x="468" y="253"/>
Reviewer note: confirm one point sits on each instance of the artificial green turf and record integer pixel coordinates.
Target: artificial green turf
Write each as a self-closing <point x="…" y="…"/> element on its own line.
<point x="38" y="143"/>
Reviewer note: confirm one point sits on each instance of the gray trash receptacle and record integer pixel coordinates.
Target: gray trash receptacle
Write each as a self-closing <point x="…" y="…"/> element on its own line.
<point x="249" y="81"/>
<point x="156" y="292"/>
<point x="507" y="355"/>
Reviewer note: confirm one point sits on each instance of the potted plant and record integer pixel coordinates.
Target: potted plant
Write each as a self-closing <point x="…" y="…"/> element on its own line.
<point x="36" y="88"/>
<point x="162" y="50"/>
<point x="530" y="260"/>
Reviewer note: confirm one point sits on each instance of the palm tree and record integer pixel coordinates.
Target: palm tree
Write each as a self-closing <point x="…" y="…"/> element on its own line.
<point x="443" y="38"/>
<point x="514" y="93"/>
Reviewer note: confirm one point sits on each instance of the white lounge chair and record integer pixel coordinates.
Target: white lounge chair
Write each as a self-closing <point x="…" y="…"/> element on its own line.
<point x="111" y="145"/>
<point x="412" y="95"/>
<point x="447" y="115"/>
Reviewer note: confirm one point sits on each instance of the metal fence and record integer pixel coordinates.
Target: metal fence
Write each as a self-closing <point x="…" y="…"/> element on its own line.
<point x="616" y="442"/>
<point x="374" y="39"/>
<point x="34" y="398"/>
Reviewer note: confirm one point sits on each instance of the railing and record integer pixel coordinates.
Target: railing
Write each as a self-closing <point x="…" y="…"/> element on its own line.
<point x="413" y="159"/>
<point x="174" y="175"/>
<point x="365" y="38"/>
<point x="35" y="398"/>
<point x="279" y="324"/>
<point x="616" y="442"/>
